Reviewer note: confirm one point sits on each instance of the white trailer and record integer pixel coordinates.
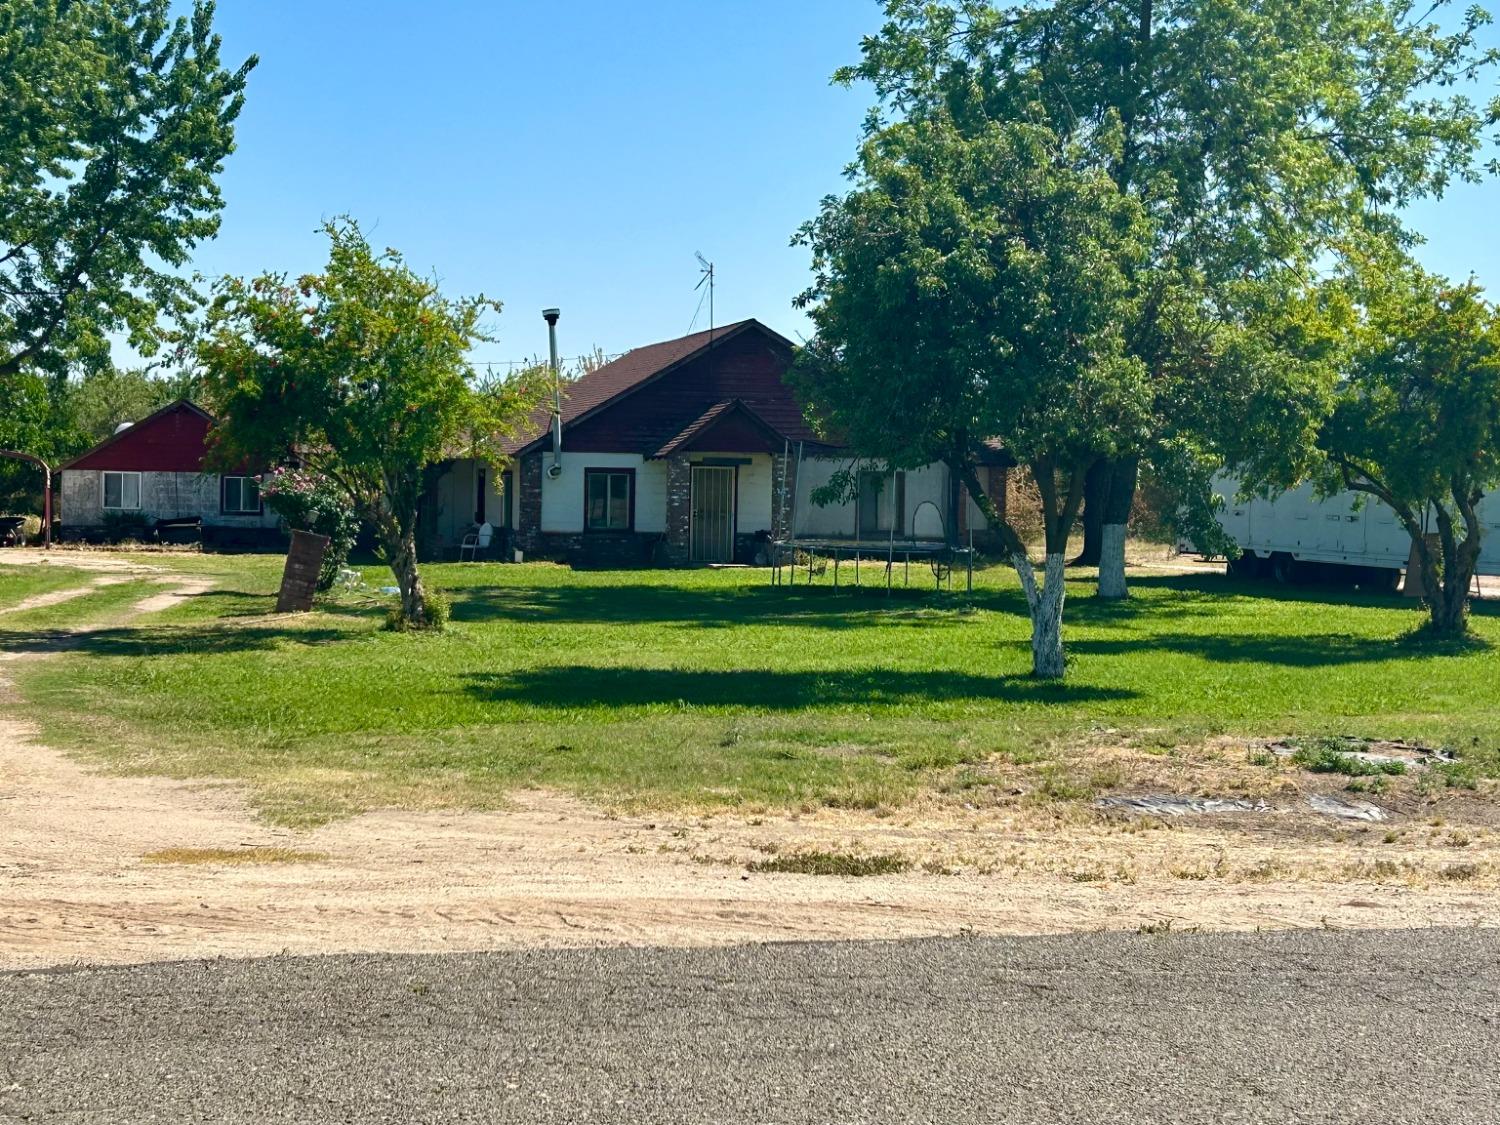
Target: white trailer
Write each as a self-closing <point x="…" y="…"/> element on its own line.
<point x="1351" y="536"/>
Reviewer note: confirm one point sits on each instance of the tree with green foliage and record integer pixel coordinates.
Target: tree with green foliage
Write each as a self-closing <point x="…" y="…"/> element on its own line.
<point x="114" y="122"/>
<point x="34" y="419"/>
<point x="98" y="401"/>
<point x="1260" y="136"/>
<point x="975" y="284"/>
<point x="361" y="372"/>
<point x="1416" y="421"/>
<point x="55" y="417"/>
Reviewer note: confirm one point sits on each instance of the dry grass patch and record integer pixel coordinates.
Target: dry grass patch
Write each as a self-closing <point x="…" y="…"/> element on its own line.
<point x="830" y="863"/>
<point x="187" y="856"/>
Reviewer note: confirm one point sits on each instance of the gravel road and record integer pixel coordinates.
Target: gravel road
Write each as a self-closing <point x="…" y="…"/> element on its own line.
<point x="1290" y="1027"/>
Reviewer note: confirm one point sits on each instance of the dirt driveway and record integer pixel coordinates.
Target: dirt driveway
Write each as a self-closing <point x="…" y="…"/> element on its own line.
<point x="96" y="868"/>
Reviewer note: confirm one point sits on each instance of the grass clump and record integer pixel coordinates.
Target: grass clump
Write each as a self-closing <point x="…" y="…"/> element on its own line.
<point x="437" y="606"/>
<point x="830" y="863"/>
<point x="238" y="856"/>
<point x="1329" y="757"/>
<point x="1460" y="872"/>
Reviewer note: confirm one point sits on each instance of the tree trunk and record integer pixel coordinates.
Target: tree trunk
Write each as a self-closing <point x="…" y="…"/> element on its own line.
<point x="1450" y="609"/>
<point x="409" y="579"/>
<point x="1112" y="585"/>
<point x="1448" y="592"/>
<point x="1447" y="576"/>
<point x="1095" y="496"/>
<point x="1048" y="661"/>
<point x="1112" y="535"/>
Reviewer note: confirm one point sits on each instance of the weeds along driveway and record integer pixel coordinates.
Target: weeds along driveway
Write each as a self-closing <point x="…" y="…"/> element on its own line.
<point x="104" y="867"/>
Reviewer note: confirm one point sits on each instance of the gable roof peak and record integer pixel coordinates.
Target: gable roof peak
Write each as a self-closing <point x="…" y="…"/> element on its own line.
<point x="629" y="371"/>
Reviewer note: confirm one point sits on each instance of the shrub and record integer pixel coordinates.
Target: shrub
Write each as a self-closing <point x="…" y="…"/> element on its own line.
<point x="439" y="609"/>
<point x="122" y="526"/>
<point x="308" y="501"/>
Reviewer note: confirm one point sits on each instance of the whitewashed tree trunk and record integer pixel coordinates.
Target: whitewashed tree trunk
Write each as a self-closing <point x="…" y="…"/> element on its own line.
<point x="1046" y="606"/>
<point x="1122" y="484"/>
<point x="1112" y="562"/>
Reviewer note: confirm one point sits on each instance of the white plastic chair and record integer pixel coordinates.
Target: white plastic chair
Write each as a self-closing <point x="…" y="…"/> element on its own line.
<point x="476" y="541"/>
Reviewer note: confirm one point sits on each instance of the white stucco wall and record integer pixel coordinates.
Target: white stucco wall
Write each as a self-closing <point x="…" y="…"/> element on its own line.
<point x="922" y="517"/>
<point x="163" y="496"/>
<point x="754" y="499"/>
<point x="562" y="499"/>
<point x="455" y="496"/>
<point x="651" y="497"/>
<point x="456" y="500"/>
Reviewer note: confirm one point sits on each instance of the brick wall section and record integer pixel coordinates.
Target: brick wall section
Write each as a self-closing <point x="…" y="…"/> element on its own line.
<point x="998" y="488"/>
<point x="595" y="549"/>
<point x="678" y="543"/>
<point x="528" y="535"/>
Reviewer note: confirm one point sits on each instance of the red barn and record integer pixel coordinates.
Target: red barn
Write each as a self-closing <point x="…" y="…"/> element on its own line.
<point x="153" y="470"/>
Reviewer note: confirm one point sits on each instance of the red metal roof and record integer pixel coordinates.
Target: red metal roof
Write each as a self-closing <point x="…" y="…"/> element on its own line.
<point x="173" y="440"/>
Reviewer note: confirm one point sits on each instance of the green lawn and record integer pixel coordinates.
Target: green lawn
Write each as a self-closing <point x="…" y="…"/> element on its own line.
<point x="711" y="687"/>
<point x="20" y="582"/>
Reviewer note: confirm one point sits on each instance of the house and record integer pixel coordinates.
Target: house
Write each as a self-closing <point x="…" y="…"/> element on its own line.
<point x="153" y="471"/>
<point x="694" y="450"/>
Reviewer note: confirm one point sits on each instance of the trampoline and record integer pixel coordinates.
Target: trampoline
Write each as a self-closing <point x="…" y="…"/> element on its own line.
<point x="788" y="556"/>
<point x="801" y="553"/>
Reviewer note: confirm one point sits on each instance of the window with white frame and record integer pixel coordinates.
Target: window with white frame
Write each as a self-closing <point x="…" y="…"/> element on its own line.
<point x="122" y="491"/>
<point x="240" y="495"/>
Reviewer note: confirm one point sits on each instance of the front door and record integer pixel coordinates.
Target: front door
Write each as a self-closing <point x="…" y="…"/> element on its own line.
<point x="713" y="514"/>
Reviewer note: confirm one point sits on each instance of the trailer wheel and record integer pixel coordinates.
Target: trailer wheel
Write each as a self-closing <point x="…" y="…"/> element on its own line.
<point x="1285" y="569"/>
<point x="1381" y="580"/>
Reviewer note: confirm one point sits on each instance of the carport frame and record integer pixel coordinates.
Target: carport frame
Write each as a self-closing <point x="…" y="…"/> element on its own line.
<point x="17" y="455"/>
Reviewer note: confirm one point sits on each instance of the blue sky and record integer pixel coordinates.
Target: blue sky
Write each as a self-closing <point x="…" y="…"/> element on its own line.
<point x="578" y="153"/>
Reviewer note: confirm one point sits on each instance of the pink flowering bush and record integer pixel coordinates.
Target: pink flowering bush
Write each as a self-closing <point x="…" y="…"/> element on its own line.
<point x="309" y="501"/>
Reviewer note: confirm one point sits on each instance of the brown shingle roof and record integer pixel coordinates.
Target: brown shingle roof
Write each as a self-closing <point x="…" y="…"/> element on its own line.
<point x="710" y="418"/>
<point x="615" y="378"/>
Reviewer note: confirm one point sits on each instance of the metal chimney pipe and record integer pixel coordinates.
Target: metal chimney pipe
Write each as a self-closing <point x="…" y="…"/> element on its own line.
<point x="550" y="316"/>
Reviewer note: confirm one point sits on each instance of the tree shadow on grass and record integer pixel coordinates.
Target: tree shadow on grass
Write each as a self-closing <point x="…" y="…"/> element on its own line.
<point x="172" y="641"/>
<point x="1216" y="586"/>
<point x="1307" y="650"/>
<point x="572" y="687"/>
<point x="639" y="604"/>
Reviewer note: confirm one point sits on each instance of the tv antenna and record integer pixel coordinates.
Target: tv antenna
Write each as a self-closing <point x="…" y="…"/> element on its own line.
<point x="707" y="269"/>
